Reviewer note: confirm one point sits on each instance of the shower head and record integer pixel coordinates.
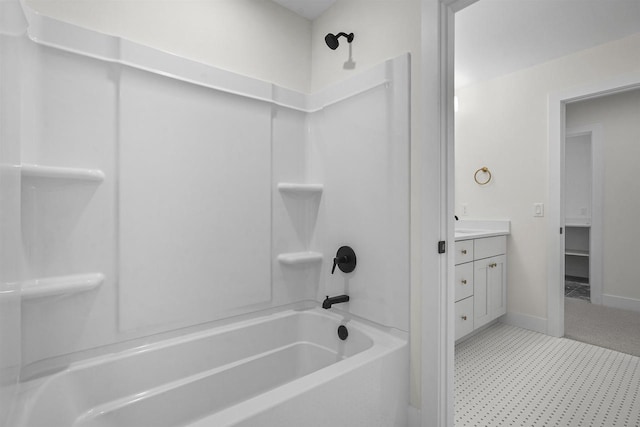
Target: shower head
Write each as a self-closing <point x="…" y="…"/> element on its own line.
<point x="332" y="40"/>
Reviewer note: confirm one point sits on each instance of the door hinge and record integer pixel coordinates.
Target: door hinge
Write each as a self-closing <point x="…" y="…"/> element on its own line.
<point x="442" y="245"/>
<point x="560" y="230"/>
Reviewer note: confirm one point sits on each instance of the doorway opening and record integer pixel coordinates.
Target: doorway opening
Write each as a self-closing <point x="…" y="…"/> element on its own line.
<point x="583" y="204"/>
<point x="602" y="303"/>
<point x="575" y="228"/>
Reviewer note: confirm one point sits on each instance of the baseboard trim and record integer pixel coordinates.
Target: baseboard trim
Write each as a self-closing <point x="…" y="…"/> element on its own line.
<point x="621" y="302"/>
<point x="525" y="321"/>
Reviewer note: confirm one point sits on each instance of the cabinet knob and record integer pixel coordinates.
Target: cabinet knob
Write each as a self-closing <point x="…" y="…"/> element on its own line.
<point x="464" y="317"/>
<point x="492" y="265"/>
<point x="464" y="251"/>
<point x="464" y="281"/>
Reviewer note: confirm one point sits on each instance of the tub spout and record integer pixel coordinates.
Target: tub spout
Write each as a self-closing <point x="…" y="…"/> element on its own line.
<point x="328" y="302"/>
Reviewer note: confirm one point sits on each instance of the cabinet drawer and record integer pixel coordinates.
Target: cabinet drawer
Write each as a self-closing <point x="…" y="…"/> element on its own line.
<point x="463" y="286"/>
<point x="464" y="251"/>
<point x="464" y="317"/>
<point x="489" y="246"/>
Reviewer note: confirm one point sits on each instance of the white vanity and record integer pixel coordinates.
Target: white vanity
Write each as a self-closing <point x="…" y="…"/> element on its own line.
<point x="480" y="273"/>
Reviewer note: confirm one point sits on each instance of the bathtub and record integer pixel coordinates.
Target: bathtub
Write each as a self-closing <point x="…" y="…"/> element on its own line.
<point x="284" y="369"/>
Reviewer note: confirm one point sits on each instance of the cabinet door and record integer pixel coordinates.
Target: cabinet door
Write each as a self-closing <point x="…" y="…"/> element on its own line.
<point x="497" y="286"/>
<point x="489" y="289"/>
<point x="481" y="310"/>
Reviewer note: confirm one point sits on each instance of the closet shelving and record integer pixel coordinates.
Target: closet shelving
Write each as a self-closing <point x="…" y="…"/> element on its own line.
<point x="577" y="251"/>
<point x="302" y="191"/>
<point x="578" y="204"/>
<point x="577" y="237"/>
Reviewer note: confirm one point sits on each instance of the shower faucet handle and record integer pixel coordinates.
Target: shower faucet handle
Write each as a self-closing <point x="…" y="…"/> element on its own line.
<point x="345" y="260"/>
<point x="337" y="261"/>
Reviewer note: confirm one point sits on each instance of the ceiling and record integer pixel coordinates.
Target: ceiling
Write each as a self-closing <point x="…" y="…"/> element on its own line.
<point x="497" y="37"/>
<point x="309" y="9"/>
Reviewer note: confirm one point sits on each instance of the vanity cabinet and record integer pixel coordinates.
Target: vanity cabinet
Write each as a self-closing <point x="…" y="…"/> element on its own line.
<point x="480" y="282"/>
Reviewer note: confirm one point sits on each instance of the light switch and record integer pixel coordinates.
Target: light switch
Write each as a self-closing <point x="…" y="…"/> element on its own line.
<point x="538" y="209"/>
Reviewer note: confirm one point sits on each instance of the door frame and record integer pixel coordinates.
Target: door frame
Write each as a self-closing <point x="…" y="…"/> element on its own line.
<point x="437" y="180"/>
<point x="557" y="103"/>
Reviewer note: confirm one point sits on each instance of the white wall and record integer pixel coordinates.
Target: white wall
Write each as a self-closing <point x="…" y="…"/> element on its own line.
<point x="360" y="151"/>
<point x="578" y="177"/>
<point x="618" y="114"/>
<point x="502" y="124"/>
<point x="256" y="38"/>
<point x="182" y="164"/>
<point x="382" y="29"/>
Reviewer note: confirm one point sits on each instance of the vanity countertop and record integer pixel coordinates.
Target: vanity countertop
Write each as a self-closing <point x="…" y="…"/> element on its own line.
<point x="468" y="229"/>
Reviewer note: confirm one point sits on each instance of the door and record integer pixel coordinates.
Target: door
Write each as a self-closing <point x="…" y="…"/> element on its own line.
<point x="497" y="285"/>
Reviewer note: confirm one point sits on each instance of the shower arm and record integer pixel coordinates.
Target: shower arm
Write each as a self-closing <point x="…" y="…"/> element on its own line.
<point x="349" y="37"/>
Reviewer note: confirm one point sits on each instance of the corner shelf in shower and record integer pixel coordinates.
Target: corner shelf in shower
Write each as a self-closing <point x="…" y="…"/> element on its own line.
<point x="64" y="173"/>
<point x="299" y="258"/>
<point x="300" y="189"/>
<point x="60" y="285"/>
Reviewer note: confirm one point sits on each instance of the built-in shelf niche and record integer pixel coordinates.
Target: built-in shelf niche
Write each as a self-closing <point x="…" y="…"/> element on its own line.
<point x="300" y="189"/>
<point x="307" y="191"/>
<point x="60" y="285"/>
<point x="62" y="173"/>
<point x="300" y="258"/>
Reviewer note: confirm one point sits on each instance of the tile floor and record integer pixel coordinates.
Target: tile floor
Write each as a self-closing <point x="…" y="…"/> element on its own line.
<point x="507" y="376"/>
<point x="579" y="290"/>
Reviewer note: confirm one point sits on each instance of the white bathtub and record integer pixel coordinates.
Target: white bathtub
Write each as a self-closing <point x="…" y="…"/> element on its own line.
<point x="283" y="369"/>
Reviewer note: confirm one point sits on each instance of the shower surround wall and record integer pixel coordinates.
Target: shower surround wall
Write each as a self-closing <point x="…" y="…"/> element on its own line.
<point x="169" y="213"/>
<point x="12" y="25"/>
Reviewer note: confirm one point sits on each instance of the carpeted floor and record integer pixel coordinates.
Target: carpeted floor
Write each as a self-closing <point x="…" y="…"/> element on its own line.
<point x="602" y="326"/>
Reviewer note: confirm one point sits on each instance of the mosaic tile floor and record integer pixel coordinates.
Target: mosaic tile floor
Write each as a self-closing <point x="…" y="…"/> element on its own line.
<point x="507" y="376"/>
